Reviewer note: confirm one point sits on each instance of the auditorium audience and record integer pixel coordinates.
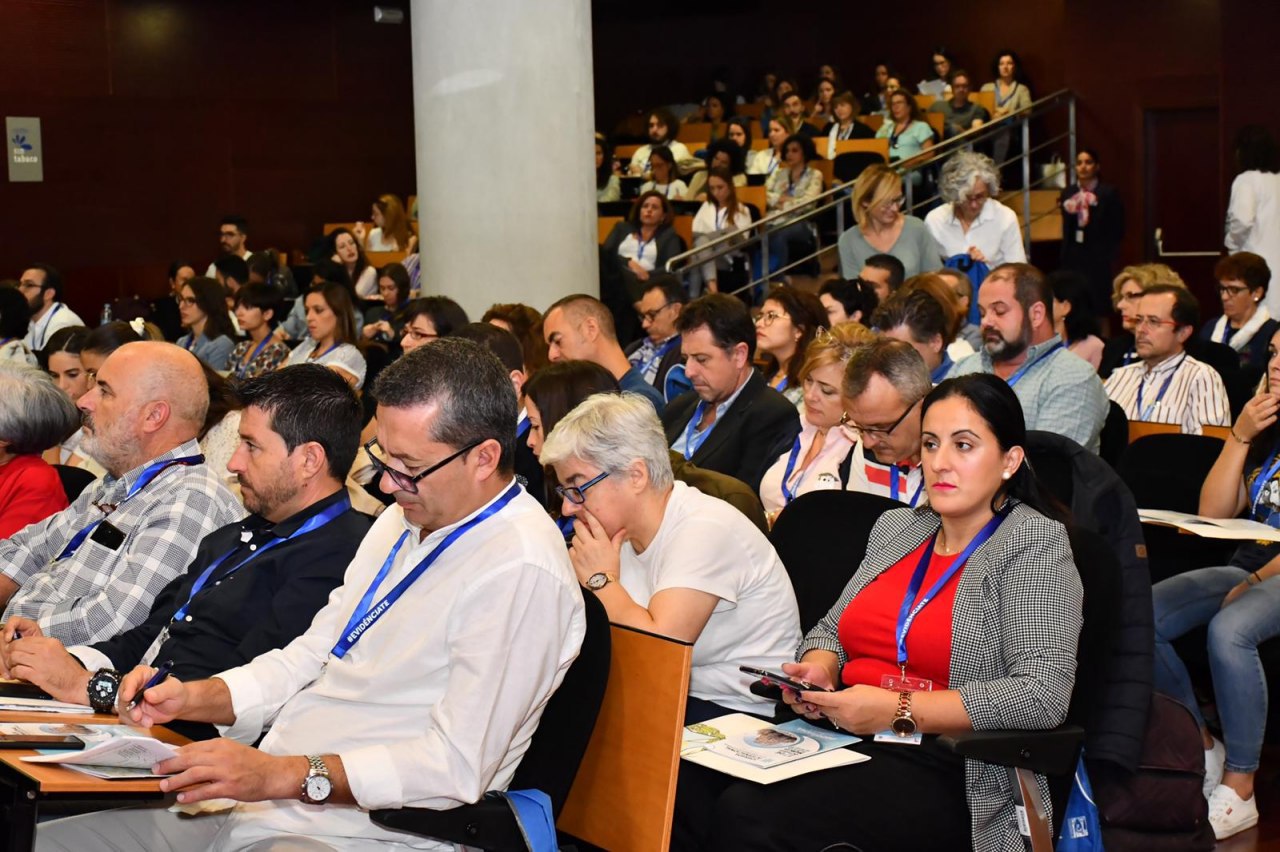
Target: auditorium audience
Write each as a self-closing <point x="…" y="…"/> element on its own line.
<point x="972" y="225"/>
<point x="847" y="300"/>
<point x="1073" y="320"/>
<point x="940" y="289"/>
<point x="428" y="319"/>
<point x="713" y="110"/>
<point x="731" y="421"/>
<point x="231" y="273"/>
<point x="883" y="383"/>
<point x="875" y="99"/>
<point x="233" y="238"/>
<point x="1253" y="222"/>
<point x="382" y="322"/>
<point x="769" y="160"/>
<point x="882" y="227"/>
<point x="793" y="117"/>
<point x="1245" y="325"/>
<point x="722" y="213"/>
<point x="959" y="114"/>
<point x="662" y="130"/>
<point x="786" y="325"/>
<point x="41" y="286"/>
<point x="658" y="351"/>
<point x="325" y="271"/>
<point x="823" y="108"/>
<point x="298" y="438"/>
<point x="414" y="712"/>
<point x="1011" y="95"/>
<point x="556" y="390"/>
<point x="142" y="418"/>
<point x="608" y="183"/>
<point x="905" y="128"/>
<point x="664" y="177"/>
<point x="391" y="231"/>
<point x="331" y="334"/>
<point x="1059" y="391"/>
<point x="940" y="65"/>
<point x="14" y="314"/>
<point x="580" y="328"/>
<point x="639" y="246"/>
<point x="793" y="187"/>
<point x="344" y="249"/>
<point x="164" y="311"/>
<point x="34" y="416"/>
<point x="667" y="559"/>
<point x="1238" y="604"/>
<point x="916" y="317"/>
<point x="61" y="360"/>
<point x="997" y="645"/>
<point x="210" y="335"/>
<point x="819" y="459"/>
<point x="1127" y="289"/>
<point x="526" y="324"/>
<point x="1168" y="385"/>
<point x="884" y="272"/>
<point x="257" y="306"/>
<point x="844" y="123"/>
<point x="1092" y="228"/>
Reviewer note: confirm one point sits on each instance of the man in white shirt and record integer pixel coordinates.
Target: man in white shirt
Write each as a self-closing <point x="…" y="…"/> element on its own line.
<point x="884" y="383"/>
<point x="1167" y="385"/>
<point x="412" y="687"/>
<point x="233" y="234"/>
<point x="973" y="222"/>
<point x="1059" y="391"/>
<point x="663" y="127"/>
<point x="41" y="285"/>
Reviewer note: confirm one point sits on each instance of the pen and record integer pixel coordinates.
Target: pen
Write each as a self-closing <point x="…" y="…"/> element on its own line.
<point x="166" y="669"/>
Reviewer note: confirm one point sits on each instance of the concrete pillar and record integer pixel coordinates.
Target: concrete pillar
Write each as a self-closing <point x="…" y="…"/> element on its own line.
<point x="503" y="117"/>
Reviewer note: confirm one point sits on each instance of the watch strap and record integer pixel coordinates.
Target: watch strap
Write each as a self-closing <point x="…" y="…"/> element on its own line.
<point x="316" y="769"/>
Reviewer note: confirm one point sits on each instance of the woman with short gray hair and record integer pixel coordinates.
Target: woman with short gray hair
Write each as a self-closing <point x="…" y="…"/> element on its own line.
<point x="34" y="416"/>
<point x="668" y="559"/>
<point x="972" y="226"/>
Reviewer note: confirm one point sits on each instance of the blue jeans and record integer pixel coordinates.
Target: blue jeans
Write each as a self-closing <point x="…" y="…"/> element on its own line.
<point x="1194" y="599"/>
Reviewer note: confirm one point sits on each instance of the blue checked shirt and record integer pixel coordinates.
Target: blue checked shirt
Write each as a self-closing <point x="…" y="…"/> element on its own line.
<point x="97" y="592"/>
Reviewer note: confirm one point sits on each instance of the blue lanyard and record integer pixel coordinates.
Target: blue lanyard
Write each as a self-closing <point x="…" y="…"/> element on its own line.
<point x="658" y="355"/>
<point x="643" y="243"/>
<point x="315" y="522"/>
<point x="367" y="613"/>
<point x="1268" y="470"/>
<point x="314" y="357"/>
<point x="895" y="490"/>
<point x="191" y="341"/>
<point x="244" y="366"/>
<point x="693" y="441"/>
<point x="1144" y="413"/>
<point x="911" y="606"/>
<point x="44" y="332"/>
<point x="522" y="427"/>
<point x="1013" y="380"/>
<point x="773" y="162"/>
<point x="781" y="386"/>
<point x="151" y="472"/>
<point x="942" y="369"/>
<point x="787" y="494"/>
<point x="722" y="216"/>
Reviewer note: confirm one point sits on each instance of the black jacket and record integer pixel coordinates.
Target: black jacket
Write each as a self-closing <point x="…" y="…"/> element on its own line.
<point x="674" y="356"/>
<point x="756" y="429"/>
<point x="263" y="606"/>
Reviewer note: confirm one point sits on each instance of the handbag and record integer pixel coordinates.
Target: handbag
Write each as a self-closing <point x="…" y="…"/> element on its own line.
<point x="1081" y="825"/>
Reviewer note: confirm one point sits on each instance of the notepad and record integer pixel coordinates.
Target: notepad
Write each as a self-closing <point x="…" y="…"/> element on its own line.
<point x="1236" y="529"/>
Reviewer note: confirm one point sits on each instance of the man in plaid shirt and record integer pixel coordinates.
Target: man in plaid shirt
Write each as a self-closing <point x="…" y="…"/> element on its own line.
<point x="92" y="570"/>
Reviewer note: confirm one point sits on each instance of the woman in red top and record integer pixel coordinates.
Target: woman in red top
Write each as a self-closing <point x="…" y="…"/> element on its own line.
<point x="990" y="624"/>
<point x="34" y="416"/>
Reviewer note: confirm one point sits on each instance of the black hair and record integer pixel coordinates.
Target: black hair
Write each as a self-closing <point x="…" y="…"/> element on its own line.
<point x="15" y="313"/>
<point x="1186" y="309"/>
<point x="446" y="314"/>
<point x="69" y="339"/>
<point x="211" y="298"/>
<point x="1017" y="66"/>
<point x="1256" y="150"/>
<point x="998" y="406"/>
<point x="362" y="262"/>
<point x="667" y="118"/>
<point x="1071" y="286"/>
<point x="558" y="388"/>
<point x="260" y="263"/>
<point x="499" y="341"/>
<point x="309" y="403"/>
<point x="917" y="309"/>
<point x="854" y="295"/>
<point x="176" y="265"/>
<point x="400" y="277"/>
<point x="745" y="124"/>
<point x="889" y="263"/>
<point x="807" y="150"/>
<point x="605" y="171"/>
<point x="663" y="153"/>
<point x="330" y="270"/>
<point x="109" y="337"/>
<point x="234" y="267"/>
<point x="52" y="279"/>
<point x="737" y="156"/>
<point x="725" y="317"/>
<point x="672" y="289"/>
<point x="469" y="386"/>
<point x="264" y="297"/>
<point x="241" y="224"/>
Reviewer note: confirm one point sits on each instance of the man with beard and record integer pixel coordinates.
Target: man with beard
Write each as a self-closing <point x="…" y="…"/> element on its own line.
<point x="255" y="584"/>
<point x="92" y="570"/>
<point x="1058" y="390"/>
<point x="41" y="286"/>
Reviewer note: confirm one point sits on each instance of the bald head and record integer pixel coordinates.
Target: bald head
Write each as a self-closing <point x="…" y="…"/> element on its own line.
<point x="170" y="374"/>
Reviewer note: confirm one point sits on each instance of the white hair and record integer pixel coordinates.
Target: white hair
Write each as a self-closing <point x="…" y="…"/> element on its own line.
<point x="34" y="413"/>
<point x="610" y="431"/>
<point x="956" y="181"/>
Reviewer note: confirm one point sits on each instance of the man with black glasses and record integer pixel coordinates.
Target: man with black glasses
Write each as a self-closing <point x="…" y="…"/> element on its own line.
<point x="658" y="351"/>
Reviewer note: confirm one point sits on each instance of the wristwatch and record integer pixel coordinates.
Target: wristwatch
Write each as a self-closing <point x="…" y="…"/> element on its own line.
<point x="316" y="787"/>
<point x="903" y="724"/>
<point x="103" y="688"/>
<point x="599" y="580"/>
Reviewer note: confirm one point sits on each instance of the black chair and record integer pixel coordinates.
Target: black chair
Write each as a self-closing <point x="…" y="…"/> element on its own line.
<point x="1115" y="436"/>
<point x="550" y="763"/>
<point x="821" y="538"/>
<point x="1054" y="753"/>
<point x="74" y="480"/>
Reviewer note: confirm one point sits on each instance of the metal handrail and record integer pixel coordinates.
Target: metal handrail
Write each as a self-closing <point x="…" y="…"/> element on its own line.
<point x="759" y="232"/>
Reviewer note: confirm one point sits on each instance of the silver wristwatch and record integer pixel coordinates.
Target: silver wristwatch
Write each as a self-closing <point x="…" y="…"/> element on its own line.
<point x="316" y="787"/>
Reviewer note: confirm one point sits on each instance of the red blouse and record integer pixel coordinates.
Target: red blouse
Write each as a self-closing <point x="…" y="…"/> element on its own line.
<point x="30" y="491"/>
<point x="868" y="623"/>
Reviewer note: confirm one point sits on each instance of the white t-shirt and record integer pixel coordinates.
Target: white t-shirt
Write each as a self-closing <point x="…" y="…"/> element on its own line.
<point x="367" y="283"/>
<point x="645" y="254"/>
<point x="344" y="356"/>
<point x="677" y="189"/>
<point x="706" y="544"/>
<point x="377" y="241"/>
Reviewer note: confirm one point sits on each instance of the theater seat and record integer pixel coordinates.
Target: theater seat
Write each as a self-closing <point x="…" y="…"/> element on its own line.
<point x="74" y="480"/>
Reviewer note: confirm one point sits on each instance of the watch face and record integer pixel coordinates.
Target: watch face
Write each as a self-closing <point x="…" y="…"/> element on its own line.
<point x="904" y="726"/>
<point x="597" y="581"/>
<point x="318" y="788"/>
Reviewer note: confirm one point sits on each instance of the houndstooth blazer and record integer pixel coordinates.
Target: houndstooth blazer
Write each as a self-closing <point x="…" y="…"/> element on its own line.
<point x="1015" y="626"/>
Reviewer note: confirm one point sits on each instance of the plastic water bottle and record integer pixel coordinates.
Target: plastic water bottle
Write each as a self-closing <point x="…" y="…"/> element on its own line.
<point x="106" y="313"/>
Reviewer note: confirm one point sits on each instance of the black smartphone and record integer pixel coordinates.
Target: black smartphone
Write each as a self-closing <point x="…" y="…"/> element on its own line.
<point x="787" y="681"/>
<point x="41" y="741"/>
<point x="22" y="689"/>
<point x="108" y="536"/>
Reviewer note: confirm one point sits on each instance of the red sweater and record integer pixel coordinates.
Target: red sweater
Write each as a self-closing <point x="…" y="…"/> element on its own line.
<point x="868" y="623"/>
<point x="30" y="491"/>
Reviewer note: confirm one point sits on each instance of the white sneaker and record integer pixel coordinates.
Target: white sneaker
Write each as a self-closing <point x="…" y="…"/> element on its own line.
<point x="1229" y="814"/>
<point x="1215" y="761"/>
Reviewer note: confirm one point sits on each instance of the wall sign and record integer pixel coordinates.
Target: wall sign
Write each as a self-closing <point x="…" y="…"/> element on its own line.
<point x="26" y="154"/>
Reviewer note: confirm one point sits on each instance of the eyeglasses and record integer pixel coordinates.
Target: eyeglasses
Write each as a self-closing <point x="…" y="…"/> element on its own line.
<point x="403" y="481"/>
<point x="1231" y="292"/>
<point x="189" y="301"/>
<point x="1153" y="322"/>
<point x="28" y="284"/>
<point x="768" y="318"/>
<point x="229" y="234"/>
<point x="892" y="203"/>
<point x="577" y="494"/>
<point x="653" y="314"/>
<point x="881" y="434"/>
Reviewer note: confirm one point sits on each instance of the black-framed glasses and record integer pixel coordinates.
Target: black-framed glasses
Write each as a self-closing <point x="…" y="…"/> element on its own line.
<point x="653" y="314"/>
<point x="881" y="434"/>
<point x="577" y="494"/>
<point x="403" y="481"/>
<point x="1231" y="292"/>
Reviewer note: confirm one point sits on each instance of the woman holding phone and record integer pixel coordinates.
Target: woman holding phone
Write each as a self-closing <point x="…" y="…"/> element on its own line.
<point x="991" y="643"/>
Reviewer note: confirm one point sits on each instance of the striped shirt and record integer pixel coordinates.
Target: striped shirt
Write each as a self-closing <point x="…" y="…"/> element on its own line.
<point x="1194" y="396"/>
<point x="880" y="480"/>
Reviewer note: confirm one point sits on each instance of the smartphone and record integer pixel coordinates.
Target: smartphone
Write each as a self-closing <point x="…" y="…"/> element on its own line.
<point x="108" y="536"/>
<point x="784" y="680"/>
<point x="41" y="741"/>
